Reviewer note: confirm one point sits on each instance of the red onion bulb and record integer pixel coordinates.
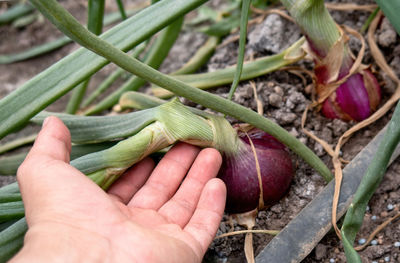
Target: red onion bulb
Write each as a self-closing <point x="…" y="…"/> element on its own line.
<point x="356" y="99"/>
<point x="239" y="172"/>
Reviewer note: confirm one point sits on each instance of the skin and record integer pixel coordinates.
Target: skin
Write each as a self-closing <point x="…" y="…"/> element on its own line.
<point x="148" y="215"/>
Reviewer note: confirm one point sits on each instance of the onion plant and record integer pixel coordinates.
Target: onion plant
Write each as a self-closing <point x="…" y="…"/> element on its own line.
<point x="15" y="12"/>
<point x="55" y="44"/>
<point x="345" y="88"/>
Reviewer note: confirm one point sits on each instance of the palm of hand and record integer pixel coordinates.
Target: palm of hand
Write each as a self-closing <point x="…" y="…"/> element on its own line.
<point x="146" y="216"/>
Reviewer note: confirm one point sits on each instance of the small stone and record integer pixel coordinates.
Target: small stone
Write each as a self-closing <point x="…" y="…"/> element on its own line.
<point x="294" y="132"/>
<point x="326" y="134"/>
<point x="278" y="90"/>
<point x="390" y="207"/>
<point x="384" y="214"/>
<point x="303" y="140"/>
<point x="367" y="208"/>
<point x="374" y="218"/>
<point x="362" y="241"/>
<point x="332" y="260"/>
<point x="380" y="240"/>
<point x="273" y="35"/>
<point x="320" y="251"/>
<point x="374" y="242"/>
<point x="285" y="118"/>
<point x="387" y="259"/>
<point x="319" y="150"/>
<point x="270" y="84"/>
<point x="397" y="244"/>
<point x="374" y="261"/>
<point x="275" y="100"/>
<point x="388" y="35"/>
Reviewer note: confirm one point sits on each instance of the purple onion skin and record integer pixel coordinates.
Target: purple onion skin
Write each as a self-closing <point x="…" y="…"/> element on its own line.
<point x="240" y="174"/>
<point x="356" y="99"/>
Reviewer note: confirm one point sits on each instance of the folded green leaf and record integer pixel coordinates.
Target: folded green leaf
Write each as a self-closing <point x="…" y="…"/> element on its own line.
<point x="92" y="129"/>
<point x="11" y="210"/>
<point x="11" y="239"/>
<point x="9" y="164"/>
<point x="13" y="197"/>
<point x="138" y="101"/>
<point x="391" y="9"/>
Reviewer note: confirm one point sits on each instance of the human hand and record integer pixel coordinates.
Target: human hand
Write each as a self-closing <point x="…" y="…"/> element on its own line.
<point x="146" y="216"/>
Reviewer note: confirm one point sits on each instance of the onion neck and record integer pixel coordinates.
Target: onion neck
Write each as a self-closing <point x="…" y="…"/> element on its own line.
<point x="316" y="23"/>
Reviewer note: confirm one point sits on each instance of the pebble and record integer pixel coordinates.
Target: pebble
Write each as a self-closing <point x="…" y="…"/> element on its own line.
<point x="373" y="218"/>
<point x="285" y="118"/>
<point x="374" y="242"/>
<point x="332" y="260"/>
<point x="374" y="261"/>
<point x="273" y="35"/>
<point x="278" y="90"/>
<point x="387" y="259"/>
<point x="275" y="100"/>
<point x="362" y="241"/>
<point x="390" y="207"/>
<point x="397" y="244"/>
<point x="368" y="208"/>
<point x="388" y="35"/>
<point x="320" y="252"/>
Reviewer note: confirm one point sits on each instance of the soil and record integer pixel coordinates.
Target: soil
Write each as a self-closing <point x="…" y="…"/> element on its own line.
<point x="284" y="99"/>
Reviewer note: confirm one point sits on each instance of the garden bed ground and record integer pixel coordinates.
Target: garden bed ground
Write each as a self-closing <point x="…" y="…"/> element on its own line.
<point x="284" y="98"/>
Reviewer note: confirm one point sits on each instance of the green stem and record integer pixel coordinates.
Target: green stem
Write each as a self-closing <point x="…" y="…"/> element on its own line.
<point x="9" y="164"/>
<point x="111" y="79"/>
<point x="154" y="59"/>
<point x="95" y="16"/>
<point x="201" y="56"/>
<point x="10" y="197"/>
<point x="242" y="44"/>
<point x="76" y="97"/>
<point x="11" y="239"/>
<point x="15" y="12"/>
<point x="67" y="23"/>
<point x="138" y="101"/>
<point x="251" y="70"/>
<point x="95" y="25"/>
<point x="121" y="9"/>
<point x="316" y="23"/>
<point x="11" y="210"/>
<point x="53" y="45"/>
<point x="369" y="20"/>
<point x="17" y="143"/>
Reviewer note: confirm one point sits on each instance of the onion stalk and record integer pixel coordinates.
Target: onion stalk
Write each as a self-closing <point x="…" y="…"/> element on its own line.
<point x="175" y="122"/>
<point x="343" y="91"/>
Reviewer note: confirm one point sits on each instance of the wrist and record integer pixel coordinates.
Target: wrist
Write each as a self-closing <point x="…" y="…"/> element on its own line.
<point x="61" y="244"/>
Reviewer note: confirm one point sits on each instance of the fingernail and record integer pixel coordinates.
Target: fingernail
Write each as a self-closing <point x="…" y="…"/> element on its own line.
<point x="46" y="121"/>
